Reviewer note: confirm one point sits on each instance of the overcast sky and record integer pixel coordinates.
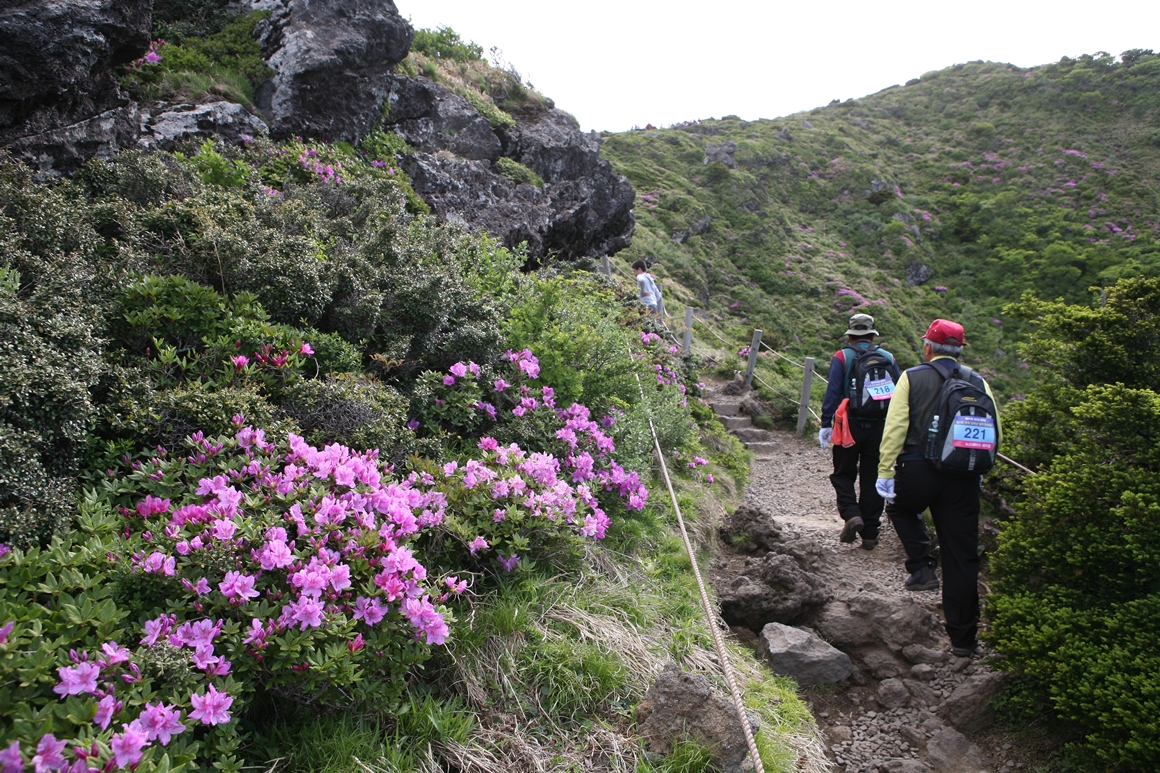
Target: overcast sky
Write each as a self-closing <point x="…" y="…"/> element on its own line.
<point x="616" y="64"/>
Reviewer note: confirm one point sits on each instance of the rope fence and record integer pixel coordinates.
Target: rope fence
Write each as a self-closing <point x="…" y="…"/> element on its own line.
<point x="711" y="617"/>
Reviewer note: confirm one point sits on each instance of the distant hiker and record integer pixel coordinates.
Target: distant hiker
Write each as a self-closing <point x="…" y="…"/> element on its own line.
<point x="942" y="432"/>
<point x="647" y="291"/>
<point x="862" y="378"/>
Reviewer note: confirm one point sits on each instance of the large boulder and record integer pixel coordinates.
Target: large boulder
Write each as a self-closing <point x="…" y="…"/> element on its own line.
<point x="969" y="706"/>
<point x="330" y="61"/>
<point x="681" y="705"/>
<point x="802" y="655"/>
<point x="771" y="589"/>
<point x="870" y="619"/>
<point x="583" y="208"/>
<point x="60" y="103"/>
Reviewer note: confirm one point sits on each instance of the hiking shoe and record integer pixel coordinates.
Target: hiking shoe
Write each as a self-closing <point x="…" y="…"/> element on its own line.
<point x="924" y="579"/>
<point x="963" y="652"/>
<point x="852" y="529"/>
<point x="869" y="544"/>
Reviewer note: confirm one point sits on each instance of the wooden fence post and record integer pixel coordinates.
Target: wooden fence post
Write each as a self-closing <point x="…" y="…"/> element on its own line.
<point x="804" y="406"/>
<point x="605" y="266"/>
<point x="754" y="348"/>
<point x="688" y="329"/>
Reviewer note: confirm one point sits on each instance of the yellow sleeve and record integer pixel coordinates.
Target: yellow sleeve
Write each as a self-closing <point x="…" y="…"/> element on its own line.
<point x="998" y="429"/>
<point x="897" y="423"/>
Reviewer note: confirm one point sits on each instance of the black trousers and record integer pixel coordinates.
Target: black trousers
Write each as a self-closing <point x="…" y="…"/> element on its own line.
<point x="859" y="461"/>
<point x="954" y="507"/>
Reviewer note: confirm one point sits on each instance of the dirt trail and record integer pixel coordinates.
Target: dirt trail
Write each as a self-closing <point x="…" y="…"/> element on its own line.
<point x="922" y="711"/>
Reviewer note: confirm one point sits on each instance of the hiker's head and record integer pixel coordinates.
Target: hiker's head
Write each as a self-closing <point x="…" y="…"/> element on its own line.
<point x="943" y="337"/>
<point x="861" y="332"/>
<point x="639" y="267"/>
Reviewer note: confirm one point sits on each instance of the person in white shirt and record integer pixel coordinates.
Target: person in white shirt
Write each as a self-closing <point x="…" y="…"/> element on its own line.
<point x="648" y="292"/>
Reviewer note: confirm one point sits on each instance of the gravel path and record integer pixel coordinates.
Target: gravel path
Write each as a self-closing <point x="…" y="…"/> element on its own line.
<point x="883" y="718"/>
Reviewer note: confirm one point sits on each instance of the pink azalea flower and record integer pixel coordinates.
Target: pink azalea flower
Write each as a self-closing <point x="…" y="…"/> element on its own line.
<point x="238" y="587"/>
<point x="459" y="370"/>
<point x="305" y="349"/>
<point x="10" y="759"/>
<point x="78" y="679"/>
<point x="48" y="754"/>
<point x="370" y="611"/>
<point x="479" y="543"/>
<point x="223" y="529"/>
<point x="161" y="722"/>
<point x="509" y="563"/>
<point x="211" y="708"/>
<point x="5" y="630"/>
<point x="114" y="653"/>
<point x="105" y="711"/>
<point x="307" y="612"/>
<point x="128" y="744"/>
<point x="500" y="384"/>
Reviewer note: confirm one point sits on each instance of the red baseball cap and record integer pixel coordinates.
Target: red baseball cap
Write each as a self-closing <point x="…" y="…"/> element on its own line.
<point x="943" y="331"/>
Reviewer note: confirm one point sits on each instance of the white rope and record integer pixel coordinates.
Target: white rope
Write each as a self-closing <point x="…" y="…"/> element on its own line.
<point x="783" y="394"/>
<point x="710" y="617"/>
<point x="787" y="359"/>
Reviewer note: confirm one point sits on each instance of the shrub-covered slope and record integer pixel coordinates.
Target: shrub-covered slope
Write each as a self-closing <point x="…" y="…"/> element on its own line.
<point x="949" y="196"/>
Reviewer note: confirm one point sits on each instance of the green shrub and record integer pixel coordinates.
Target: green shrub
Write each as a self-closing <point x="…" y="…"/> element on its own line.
<point x="49" y="358"/>
<point x="494" y="115"/>
<point x="1078" y="569"/>
<point x="517" y="172"/>
<point x="445" y="43"/>
<point x="203" y="55"/>
<point x="351" y="410"/>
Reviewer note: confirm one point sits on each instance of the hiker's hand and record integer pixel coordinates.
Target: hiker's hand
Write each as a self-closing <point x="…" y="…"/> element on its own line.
<point x="885" y="488"/>
<point x="824" y="437"/>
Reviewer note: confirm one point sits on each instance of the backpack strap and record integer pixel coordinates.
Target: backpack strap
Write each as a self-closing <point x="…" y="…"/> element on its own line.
<point x="848" y="354"/>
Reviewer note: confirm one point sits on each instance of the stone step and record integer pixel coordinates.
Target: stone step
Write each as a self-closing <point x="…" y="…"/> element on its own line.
<point x="753" y="435"/>
<point x="735" y="422"/>
<point x="725" y="409"/>
<point x="762" y="450"/>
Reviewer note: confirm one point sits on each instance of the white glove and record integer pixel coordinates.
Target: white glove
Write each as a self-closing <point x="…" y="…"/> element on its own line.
<point x="885" y="488"/>
<point x="824" y="437"/>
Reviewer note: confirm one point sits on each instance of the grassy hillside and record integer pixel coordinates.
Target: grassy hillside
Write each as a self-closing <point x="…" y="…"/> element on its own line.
<point x="949" y="196"/>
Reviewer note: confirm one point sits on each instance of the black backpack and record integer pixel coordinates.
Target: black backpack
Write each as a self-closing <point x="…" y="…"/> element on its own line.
<point x="962" y="438"/>
<point x="869" y="382"/>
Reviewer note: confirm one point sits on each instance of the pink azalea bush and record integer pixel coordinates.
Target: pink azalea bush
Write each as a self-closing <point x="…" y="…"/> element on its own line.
<point x="252" y="567"/>
<point x="510" y="502"/>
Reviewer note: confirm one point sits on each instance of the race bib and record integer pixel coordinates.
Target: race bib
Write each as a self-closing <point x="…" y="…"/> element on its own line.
<point x="973" y="432"/>
<point x="880" y="389"/>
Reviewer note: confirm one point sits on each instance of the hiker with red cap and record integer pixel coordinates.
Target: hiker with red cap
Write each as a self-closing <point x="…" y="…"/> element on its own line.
<point x="941" y="434"/>
<point x="862" y="378"/>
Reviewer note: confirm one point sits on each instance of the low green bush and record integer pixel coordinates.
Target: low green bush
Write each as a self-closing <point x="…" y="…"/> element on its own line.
<point x="517" y="172"/>
<point x="1077" y="575"/>
<point x="445" y="43"/>
<point x="226" y="60"/>
<point x="49" y="358"/>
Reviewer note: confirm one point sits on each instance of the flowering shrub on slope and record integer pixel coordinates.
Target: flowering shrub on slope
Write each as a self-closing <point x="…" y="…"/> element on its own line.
<point x="250" y="568"/>
<point x="565" y="475"/>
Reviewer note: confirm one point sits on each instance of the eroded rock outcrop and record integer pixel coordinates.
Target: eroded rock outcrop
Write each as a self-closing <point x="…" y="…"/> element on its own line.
<point x="583" y="208"/>
<point x="330" y="62"/>
<point x="60" y="103"/>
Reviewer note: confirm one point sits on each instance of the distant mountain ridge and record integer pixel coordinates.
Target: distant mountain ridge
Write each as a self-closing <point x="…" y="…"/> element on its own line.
<point x="949" y="196"/>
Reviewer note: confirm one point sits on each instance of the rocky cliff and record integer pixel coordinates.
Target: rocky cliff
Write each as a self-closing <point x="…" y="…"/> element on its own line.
<point x="60" y="103"/>
<point x="334" y="80"/>
<point x="583" y="207"/>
